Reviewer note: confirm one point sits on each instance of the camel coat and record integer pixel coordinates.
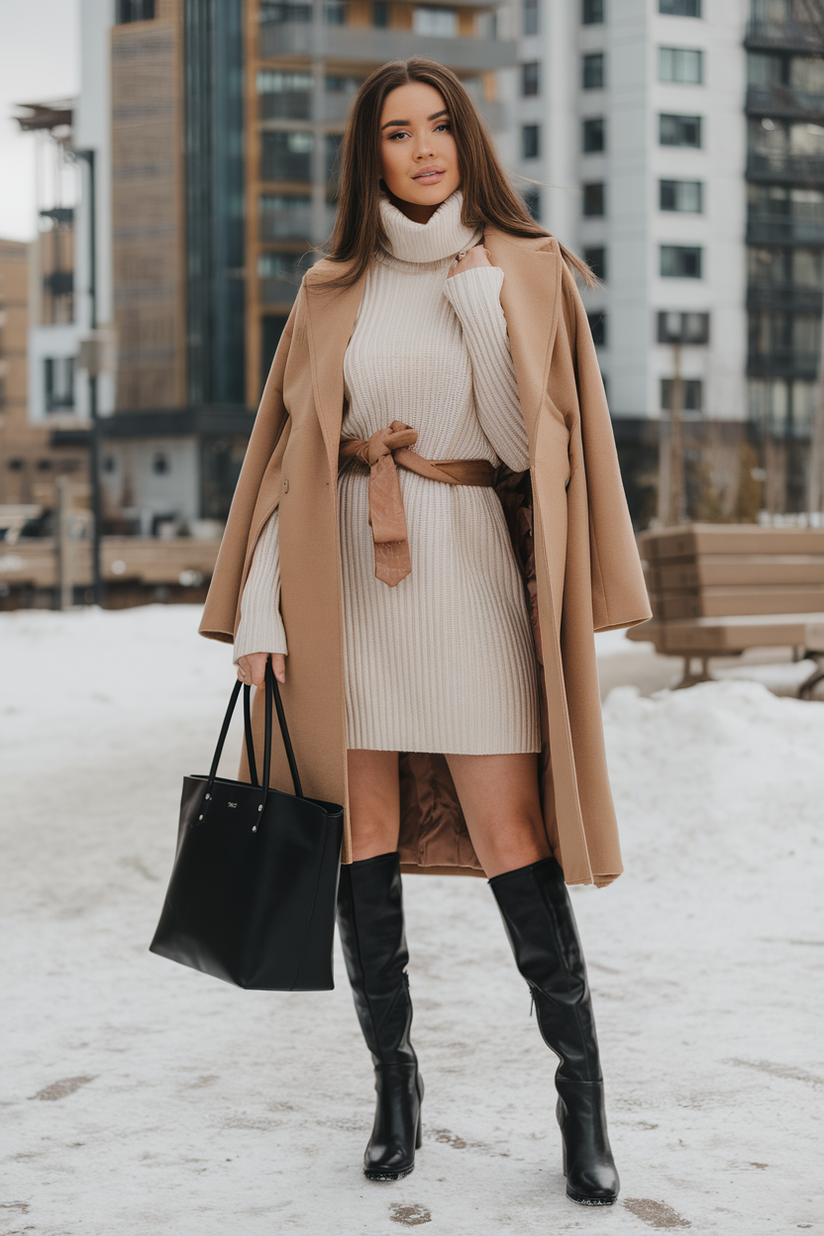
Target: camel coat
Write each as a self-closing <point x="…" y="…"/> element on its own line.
<point x="570" y="529"/>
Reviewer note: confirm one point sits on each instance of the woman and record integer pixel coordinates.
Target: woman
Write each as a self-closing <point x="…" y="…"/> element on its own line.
<point x="431" y="510"/>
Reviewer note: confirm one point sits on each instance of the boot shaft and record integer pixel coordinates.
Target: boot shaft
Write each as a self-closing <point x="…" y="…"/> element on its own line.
<point x="373" y="938"/>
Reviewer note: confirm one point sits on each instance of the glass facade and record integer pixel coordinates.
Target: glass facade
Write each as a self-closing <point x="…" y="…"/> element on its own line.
<point x="785" y="229"/>
<point x="215" y="300"/>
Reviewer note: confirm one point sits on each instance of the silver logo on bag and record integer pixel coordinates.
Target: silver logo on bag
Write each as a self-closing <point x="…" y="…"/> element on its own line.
<point x="231" y="804"/>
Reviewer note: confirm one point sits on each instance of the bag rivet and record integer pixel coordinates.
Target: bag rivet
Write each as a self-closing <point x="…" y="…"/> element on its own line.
<point x="200" y="817"/>
<point x="254" y="828"/>
<point x="260" y="808"/>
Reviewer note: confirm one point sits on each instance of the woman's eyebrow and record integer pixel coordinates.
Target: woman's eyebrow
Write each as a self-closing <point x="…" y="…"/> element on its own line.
<point x="391" y="123"/>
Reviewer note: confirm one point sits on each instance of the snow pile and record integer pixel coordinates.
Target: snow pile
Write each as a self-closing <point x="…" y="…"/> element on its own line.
<point x="139" y="1097"/>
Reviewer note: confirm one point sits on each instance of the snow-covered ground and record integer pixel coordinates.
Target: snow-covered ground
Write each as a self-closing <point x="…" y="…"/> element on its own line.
<point x="142" y="1098"/>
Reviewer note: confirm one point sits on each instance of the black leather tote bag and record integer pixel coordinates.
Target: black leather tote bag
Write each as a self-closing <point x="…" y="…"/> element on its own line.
<point x="254" y="884"/>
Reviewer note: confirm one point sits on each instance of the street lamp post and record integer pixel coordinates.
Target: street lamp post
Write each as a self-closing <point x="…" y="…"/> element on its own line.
<point x="90" y="360"/>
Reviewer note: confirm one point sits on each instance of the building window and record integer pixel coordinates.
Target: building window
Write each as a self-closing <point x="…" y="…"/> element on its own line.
<point x="592" y="13"/>
<point x="532" y="201"/>
<point x="284" y="217"/>
<point x="58" y="379"/>
<point x="286" y="155"/>
<point x="134" y="10"/>
<point x="683" y="327"/>
<point x="682" y="195"/>
<point x="593" y="71"/>
<point x="530" y="17"/>
<point x="530" y="141"/>
<point x="598" y="328"/>
<point x="334" y="12"/>
<point x="680" y="262"/>
<point x="692" y="394"/>
<point x="681" y="64"/>
<point x="680" y="8"/>
<point x="530" y="79"/>
<point x="276" y="13"/>
<point x="160" y="463"/>
<point x="594" y="200"/>
<point x="15" y="465"/>
<point x="277" y="265"/>
<point x="679" y="130"/>
<point x="593" y="135"/>
<point x="596" y="260"/>
<point x="284" y="96"/>
<point x="435" y="22"/>
<point x="380" y="14"/>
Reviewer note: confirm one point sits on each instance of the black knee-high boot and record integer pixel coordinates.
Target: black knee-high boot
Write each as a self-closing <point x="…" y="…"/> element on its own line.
<point x="370" y="922"/>
<point x="538" y="917"/>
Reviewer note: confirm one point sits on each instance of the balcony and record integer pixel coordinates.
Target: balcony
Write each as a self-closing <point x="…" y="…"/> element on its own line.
<point x="783" y="363"/>
<point x="786" y="168"/>
<point x="371" y="46"/>
<point x="784" y="101"/>
<point x="784" y="297"/>
<point x="787" y="35"/>
<point x="770" y="230"/>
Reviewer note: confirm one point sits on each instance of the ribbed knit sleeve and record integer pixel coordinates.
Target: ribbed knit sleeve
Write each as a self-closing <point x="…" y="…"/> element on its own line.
<point x="475" y="296"/>
<point x="261" y="626"/>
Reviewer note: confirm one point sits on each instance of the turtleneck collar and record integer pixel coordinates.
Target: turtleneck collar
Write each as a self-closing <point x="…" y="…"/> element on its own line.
<point x="442" y="237"/>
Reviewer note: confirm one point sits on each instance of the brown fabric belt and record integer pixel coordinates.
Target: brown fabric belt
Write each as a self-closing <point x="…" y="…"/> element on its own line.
<point x="383" y="454"/>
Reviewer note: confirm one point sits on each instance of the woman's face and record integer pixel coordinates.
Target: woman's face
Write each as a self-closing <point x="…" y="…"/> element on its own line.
<point x="418" y="152"/>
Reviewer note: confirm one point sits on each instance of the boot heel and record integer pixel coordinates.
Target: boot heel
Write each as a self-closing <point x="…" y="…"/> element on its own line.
<point x="419" y="1135"/>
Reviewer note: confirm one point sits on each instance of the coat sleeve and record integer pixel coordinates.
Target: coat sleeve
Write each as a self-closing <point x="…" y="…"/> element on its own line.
<point x="221" y="611"/>
<point x="619" y="594"/>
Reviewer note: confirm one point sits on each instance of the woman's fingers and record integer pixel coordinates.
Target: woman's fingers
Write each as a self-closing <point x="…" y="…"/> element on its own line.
<point x="279" y="666"/>
<point x="252" y="668"/>
<point x="476" y="256"/>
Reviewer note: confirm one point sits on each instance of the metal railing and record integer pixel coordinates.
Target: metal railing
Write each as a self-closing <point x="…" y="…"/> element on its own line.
<point x="787" y="34"/>
<point x="784" y="101"/>
<point x="797" y="169"/>
<point x="783" y="363"/>
<point x="786" y="297"/>
<point x="769" y="230"/>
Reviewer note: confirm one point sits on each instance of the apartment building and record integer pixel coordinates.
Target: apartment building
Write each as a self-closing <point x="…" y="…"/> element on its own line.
<point x="206" y="137"/>
<point x="632" y="129"/>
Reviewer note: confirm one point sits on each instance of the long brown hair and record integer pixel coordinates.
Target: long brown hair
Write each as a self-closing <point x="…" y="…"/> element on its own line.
<point x="488" y="197"/>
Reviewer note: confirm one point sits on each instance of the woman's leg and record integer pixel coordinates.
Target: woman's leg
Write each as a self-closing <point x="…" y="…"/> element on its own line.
<point x="374" y="803"/>
<point x="499" y="799"/>
<point x="371" y="925"/>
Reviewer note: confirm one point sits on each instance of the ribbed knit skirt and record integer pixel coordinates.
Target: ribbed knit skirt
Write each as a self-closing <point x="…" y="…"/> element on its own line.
<point x="445" y="661"/>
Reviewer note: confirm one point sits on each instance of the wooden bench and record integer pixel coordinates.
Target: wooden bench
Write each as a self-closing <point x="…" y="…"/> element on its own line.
<point x="718" y="589"/>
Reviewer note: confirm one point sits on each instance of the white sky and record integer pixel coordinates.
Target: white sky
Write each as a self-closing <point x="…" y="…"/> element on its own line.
<point x="39" y="60"/>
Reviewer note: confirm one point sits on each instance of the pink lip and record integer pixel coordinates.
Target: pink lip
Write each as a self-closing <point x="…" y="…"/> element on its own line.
<point x="428" y="171"/>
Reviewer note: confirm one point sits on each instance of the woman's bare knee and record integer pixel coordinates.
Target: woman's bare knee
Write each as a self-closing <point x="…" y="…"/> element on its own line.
<point x="501" y="804"/>
<point x="374" y="802"/>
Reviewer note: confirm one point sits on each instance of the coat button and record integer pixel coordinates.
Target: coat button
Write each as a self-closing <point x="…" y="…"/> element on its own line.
<point x="286" y="486"/>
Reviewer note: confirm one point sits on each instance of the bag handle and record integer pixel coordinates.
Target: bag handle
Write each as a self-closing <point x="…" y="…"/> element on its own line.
<point x="247" y="730"/>
<point x="270" y="686"/>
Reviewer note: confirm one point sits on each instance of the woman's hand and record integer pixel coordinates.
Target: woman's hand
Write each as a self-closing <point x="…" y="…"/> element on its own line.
<point x="476" y="256"/>
<point x="251" y="668"/>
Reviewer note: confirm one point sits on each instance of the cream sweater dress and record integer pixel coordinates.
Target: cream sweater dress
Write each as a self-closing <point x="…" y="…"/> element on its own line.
<point x="445" y="661"/>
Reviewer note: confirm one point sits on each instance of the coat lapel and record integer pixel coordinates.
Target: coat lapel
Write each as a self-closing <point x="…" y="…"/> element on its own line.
<point x="530" y="298"/>
<point x="331" y="314"/>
